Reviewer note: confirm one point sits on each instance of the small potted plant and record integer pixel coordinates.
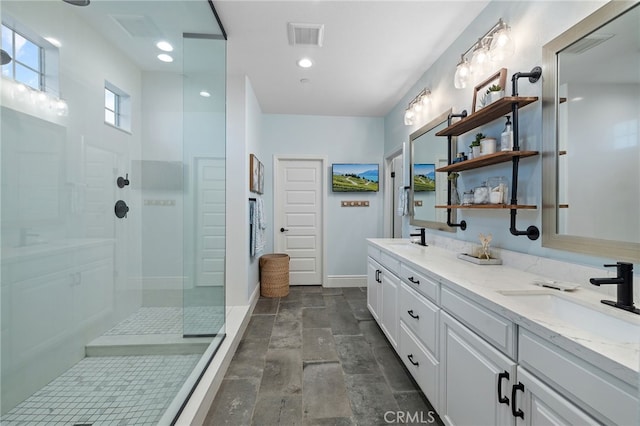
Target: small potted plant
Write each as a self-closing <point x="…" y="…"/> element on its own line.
<point x="494" y="92"/>
<point x="475" y="145"/>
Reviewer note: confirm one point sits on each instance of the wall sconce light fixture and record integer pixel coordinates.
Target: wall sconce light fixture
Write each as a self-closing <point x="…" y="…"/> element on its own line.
<point x="416" y="105"/>
<point x="494" y="46"/>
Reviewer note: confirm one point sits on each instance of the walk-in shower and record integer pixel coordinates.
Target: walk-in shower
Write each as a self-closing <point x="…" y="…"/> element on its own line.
<point x="113" y="209"/>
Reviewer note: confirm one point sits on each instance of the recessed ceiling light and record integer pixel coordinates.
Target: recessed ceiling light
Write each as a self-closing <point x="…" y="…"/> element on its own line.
<point x="53" y="41"/>
<point x="205" y="94"/>
<point x="305" y="63"/>
<point x="165" y="58"/>
<point x="165" y="46"/>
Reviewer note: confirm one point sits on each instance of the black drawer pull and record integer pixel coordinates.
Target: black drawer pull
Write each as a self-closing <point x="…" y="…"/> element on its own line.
<point x="502" y="399"/>
<point x="411" y="314"/>
<point x="412" y="361"/>
<point x="413" y="280"/>
<point x="518" y="412"/>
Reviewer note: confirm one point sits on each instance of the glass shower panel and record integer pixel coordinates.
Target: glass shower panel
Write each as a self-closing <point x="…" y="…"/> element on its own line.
<point x="204" y="164"/>
<point x="96" y="218"/>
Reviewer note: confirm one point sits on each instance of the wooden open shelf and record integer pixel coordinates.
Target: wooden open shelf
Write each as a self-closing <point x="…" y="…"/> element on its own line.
<point x="487" y="114"/>
<point x="490" y="206"/>
<point x="486" y="160"/>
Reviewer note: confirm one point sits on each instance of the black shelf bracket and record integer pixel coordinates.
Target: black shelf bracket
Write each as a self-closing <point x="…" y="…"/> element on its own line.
<point x="463" y="224"/>
<point x="532" y="232"/>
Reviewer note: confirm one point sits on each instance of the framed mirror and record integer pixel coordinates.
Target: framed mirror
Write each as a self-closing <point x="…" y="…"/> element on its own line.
<point x="591" y="137"/>
<point x="429" y="188"/>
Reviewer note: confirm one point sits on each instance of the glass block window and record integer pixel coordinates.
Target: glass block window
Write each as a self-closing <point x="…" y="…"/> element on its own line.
<point x="27" y="65"/>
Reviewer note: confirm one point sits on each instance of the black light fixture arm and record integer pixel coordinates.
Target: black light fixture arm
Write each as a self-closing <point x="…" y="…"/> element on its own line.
<point x="462" y="225"/>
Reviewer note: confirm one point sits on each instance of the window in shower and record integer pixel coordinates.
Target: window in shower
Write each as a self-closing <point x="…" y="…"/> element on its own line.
<point x="117" y="107"/>
<point x="27" y="64"/>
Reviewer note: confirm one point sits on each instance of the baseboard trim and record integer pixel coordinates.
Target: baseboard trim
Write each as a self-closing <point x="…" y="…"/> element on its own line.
<point x="346" y="281"/>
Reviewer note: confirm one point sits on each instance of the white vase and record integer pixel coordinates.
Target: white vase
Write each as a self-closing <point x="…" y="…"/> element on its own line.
<point x="494" y="96"/>
<point x="488" y="146"/>
<point x="476" y="151"/>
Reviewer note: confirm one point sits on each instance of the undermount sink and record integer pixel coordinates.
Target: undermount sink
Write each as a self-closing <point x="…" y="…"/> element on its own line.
<point x="587" y="318"/>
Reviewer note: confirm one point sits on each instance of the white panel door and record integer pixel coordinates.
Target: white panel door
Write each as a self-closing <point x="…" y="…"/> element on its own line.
<point x="298" y="222"/>
<point x="210" y="221"/>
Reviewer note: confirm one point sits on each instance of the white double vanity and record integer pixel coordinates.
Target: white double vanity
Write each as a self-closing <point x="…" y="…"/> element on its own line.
<point x="489" y="347"/>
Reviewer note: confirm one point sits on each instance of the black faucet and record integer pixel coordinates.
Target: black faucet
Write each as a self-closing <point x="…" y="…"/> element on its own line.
<point x="423" y="240"/>
<point x="624" y="280"/>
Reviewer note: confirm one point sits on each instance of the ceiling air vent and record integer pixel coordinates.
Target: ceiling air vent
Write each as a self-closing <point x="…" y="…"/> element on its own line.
<point x="587" y="43"/>
<point x="305" y="34"/>
<point x="138" y="26"/>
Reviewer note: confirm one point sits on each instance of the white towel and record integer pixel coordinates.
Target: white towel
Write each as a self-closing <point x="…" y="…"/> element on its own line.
<point x="260" y="225"/>
<point x="404" y="209"/>
<point x="252" y="228"/>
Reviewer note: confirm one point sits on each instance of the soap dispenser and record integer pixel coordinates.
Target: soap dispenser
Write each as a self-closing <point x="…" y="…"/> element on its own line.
<point x="506" y="138"/>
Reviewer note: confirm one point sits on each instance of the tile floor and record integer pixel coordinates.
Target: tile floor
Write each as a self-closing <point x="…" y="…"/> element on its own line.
<point x="122" y="390"/>
<point x="170" y="320"/>
<point x="317" y="357"/>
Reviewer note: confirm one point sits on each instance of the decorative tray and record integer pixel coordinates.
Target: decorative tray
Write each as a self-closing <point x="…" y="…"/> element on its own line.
<point x="478" y="261"/>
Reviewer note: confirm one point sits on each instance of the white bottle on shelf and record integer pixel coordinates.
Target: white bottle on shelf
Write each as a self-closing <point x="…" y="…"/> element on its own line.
<point x="506" y="138"/>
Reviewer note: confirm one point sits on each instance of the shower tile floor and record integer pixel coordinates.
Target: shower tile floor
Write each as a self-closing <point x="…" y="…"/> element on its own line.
<point x="122" y="390"/>
<point x="169" y="320"/>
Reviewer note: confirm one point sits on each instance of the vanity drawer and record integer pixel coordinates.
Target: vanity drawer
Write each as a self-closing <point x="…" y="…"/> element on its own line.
<point x="498" y="331"/>
<point x="390" y="262"/>
<point x="373" y="252"/>
<point x="600" y="394"/>
<point x="420" y="316"/>
<point x="420" y="363"/>
<point x="419" y="282"/>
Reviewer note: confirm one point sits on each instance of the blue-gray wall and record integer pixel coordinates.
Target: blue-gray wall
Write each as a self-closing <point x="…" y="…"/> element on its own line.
<point x="341" y="140"/>
<point x="533" y="25"/>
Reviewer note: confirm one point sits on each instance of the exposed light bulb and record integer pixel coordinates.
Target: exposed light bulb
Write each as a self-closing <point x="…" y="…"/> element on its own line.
<point x="463" y="71"/>
<point x="480" y="59"/>
<point x="417" y="107"/>
<point x="502" y="45"/>
<point x="408" y="117"/>
<point x="426" y="98"/>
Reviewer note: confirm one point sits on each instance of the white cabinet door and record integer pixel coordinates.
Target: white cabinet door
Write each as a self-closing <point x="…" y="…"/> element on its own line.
<point x="374" y="288"/>
<point x="389" y="311"/>
<point x="536" y="404"/>
<point x="472" y="373"/>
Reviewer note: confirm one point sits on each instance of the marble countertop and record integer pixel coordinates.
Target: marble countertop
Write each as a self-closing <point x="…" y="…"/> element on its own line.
<point x="617" y="351"/>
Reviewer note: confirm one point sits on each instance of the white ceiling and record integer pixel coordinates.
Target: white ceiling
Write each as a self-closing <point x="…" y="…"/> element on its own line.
<point x="373" y="51"/>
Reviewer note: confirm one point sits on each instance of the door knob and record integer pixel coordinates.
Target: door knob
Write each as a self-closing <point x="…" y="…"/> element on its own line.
<point x="283" y="230"/>
<point x="121" y="209"/>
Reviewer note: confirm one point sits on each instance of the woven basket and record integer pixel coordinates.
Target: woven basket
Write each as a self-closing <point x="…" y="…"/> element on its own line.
<point x="274" y="275"/>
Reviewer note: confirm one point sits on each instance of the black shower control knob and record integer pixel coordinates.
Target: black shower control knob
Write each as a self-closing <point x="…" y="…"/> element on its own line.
<point x="121" y="209"/>
<point x="123" y="181"/>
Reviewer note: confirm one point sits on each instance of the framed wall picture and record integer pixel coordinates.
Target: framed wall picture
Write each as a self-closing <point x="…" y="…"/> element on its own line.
<point x="480" y="95"/>
<point x="424" y="177"/>
<point x="254" y="173"/>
